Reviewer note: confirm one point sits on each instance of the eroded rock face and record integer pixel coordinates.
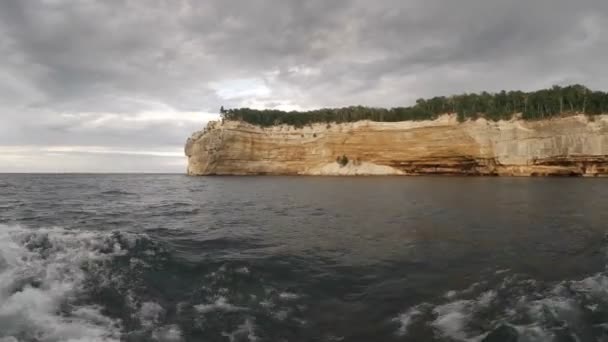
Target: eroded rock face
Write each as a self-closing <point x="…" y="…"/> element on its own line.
<point x="563" y="146"/>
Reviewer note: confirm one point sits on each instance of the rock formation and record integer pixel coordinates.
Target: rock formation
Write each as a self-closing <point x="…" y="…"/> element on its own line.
<point x="572" y="146"/>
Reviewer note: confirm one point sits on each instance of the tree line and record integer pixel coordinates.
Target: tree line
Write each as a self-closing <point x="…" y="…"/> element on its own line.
<point x="534" y="105"/>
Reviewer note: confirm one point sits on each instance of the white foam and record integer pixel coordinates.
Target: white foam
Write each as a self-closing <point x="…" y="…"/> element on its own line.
<point x="242" y="270"/>
<point x="451" y="318"/>
<point x="170" y="333"/>
<point x="288" y="296"/>
<point x="550" y="307"/>
<point x="532" y="308"/>
<point x="486" y="298"/>
<point x="41" y="271"/>
<point x="533" y="332"/>
<point x="150" y="314"/>
<point x="450" y="294"/>
<point x="267" y="303"/>
<point x="596" y="285"/>
<point x="245" y="330"/>
<point x="405" y="319"/>
<point x="220" y="304"/>
<point x="281" y="315"/>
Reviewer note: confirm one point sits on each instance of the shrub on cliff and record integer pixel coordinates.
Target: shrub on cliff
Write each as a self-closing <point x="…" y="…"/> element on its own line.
<point x="342" y="161"/>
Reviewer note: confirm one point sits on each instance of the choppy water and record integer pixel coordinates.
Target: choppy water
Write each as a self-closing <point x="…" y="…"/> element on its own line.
<point x="172" y="258"/>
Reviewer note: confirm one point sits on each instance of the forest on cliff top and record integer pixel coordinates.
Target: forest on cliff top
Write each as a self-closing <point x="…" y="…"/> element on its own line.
<point x="540" y="104"/>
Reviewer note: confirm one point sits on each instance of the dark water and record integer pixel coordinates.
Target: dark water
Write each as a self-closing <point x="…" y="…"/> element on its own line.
<point x="172" y="258"/>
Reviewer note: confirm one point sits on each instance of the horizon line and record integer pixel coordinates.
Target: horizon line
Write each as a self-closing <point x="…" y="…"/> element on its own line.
<point x="90" y="173"/>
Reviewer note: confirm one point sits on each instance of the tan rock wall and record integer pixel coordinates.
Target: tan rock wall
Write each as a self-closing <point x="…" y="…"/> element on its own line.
<point x="561" y="146"/>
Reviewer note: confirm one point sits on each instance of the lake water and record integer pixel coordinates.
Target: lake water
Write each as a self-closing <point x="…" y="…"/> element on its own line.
<point x="174" y="258"/>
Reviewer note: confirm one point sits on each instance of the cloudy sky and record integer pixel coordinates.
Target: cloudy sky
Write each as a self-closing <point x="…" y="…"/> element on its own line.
<point x="118" y="86"/>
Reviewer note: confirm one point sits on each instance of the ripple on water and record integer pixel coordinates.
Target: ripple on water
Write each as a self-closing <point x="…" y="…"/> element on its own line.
<point x="117" y="192"/>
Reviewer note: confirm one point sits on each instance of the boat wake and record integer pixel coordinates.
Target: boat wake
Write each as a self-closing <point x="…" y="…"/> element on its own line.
<point x="49" y="278"/>
<point x="513" y="307"/>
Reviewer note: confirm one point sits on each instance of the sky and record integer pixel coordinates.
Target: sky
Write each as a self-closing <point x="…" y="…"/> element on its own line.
<point x="118" y="86"/>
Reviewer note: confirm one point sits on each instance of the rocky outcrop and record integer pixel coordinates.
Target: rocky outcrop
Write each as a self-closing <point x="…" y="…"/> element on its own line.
<point x="571" y="146"/>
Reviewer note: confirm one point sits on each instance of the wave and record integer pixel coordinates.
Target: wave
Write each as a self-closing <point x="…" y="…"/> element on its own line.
<point x="118" y="193"/>
<point x="40" y="278"/>
<point x="515" y="309"/>
<point x="61" y="284"/>
<point x="48" y="279"/>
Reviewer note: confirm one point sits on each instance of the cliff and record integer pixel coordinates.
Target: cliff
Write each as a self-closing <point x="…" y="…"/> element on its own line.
<point x="573" y="145"/>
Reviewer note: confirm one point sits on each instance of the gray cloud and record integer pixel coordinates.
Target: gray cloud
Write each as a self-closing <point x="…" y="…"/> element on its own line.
<point x="132" y="75"/>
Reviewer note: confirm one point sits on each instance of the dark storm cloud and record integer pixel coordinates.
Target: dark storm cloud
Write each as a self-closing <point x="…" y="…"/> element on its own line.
<point x="133" y="74"/>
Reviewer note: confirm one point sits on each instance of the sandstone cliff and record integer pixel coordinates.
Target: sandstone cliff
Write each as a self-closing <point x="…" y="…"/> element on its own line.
<point x="571" y="145"/>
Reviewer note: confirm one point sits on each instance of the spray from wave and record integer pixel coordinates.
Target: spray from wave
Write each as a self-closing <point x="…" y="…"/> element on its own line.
<point x="513" y="307"/>
<point x="49" y="276"/>
<point x="41" y="277"/>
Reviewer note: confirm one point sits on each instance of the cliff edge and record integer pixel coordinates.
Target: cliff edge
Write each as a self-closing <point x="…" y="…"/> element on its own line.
<point x="569" y="146"/>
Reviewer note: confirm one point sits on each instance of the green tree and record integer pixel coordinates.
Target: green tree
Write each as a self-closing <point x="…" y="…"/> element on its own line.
<point x="534" y="105"/>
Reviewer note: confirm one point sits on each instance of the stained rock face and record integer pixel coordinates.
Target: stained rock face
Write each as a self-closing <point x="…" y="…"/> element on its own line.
<point x="569" y="146"/>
